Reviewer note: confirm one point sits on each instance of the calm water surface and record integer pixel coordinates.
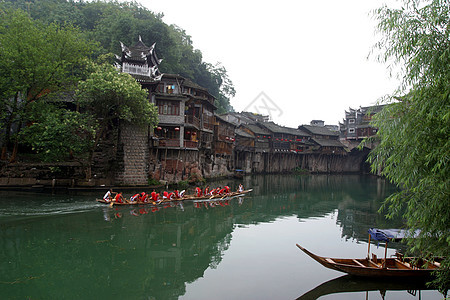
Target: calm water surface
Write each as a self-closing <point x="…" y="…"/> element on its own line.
<point x="69" y="246"/>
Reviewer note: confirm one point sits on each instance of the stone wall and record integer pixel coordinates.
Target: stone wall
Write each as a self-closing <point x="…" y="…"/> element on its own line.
<point x="132" y="156"/>
<point x="264" y="162"/>
<point x="173" y="165"/>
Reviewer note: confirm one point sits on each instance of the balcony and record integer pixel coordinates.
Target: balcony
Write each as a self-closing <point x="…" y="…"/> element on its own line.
<point x="208" y="122"/>
<point x="189" y="119"/>
<point x="208" y="126"/>
<point x="191" y="144"/>
<point x="169" y="143"/>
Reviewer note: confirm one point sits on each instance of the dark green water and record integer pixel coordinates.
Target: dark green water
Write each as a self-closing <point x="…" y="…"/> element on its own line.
<point x="66" y="246"/>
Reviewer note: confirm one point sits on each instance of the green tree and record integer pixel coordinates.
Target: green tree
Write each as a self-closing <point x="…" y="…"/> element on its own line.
<point x="413" y="130"/>
<point x="224" y="85"/>
<point x="112" y="22"/>
<point x="36" y="60"/>
<point x="57" y="133"/>
<point x="109" y="95"/>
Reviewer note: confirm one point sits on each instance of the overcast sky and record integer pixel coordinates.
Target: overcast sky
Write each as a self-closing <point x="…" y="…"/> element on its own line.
<point x="296" y="61"/>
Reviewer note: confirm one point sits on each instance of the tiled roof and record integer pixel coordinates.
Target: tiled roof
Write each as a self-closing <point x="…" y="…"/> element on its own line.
<point x="295" y="131"/>
<point x="224" y="120"/>
<point x="189" y="83"/>
<point x="258" y="130"/>
<point x="372" y="109"/>
<point x="282" y="129"/>
<point x="329" y="143"/>
<point x="242" y="133"/>
<point x="319" y="130"/>
<point x="273" y="127"/>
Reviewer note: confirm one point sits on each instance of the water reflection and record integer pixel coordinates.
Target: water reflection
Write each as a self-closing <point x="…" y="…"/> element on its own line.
<point x="349" y="284"/>
<point x="154" y="252"/>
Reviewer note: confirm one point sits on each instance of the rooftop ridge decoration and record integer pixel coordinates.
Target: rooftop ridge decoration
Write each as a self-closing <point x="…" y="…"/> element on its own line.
<point x="140" y="61"/>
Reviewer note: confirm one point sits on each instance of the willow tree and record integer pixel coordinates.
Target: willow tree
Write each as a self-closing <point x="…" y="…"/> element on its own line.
<point x="414" y="148"/>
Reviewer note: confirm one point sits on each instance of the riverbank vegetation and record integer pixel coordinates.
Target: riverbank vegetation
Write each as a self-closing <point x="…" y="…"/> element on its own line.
<point x="414" y="130"/>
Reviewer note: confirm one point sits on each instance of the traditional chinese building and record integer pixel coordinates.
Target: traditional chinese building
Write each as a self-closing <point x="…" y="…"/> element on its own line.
<point x="183" y="142"/>
<point x="327" y="141"/>
<point x="356" y="125"/>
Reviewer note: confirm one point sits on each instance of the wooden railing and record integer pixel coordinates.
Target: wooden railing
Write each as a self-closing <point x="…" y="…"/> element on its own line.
<point x="192" y="120"/>
<point x="190" y="144"/>
<point x="208" y="126"/>
<point x="169" y="143"/>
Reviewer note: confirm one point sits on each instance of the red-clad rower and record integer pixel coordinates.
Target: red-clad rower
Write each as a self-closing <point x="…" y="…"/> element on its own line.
<point x="154" y="196"/>
<point x="144" y="197"/>
<point x="198" y="191"/>
<point x="118" y="198"/>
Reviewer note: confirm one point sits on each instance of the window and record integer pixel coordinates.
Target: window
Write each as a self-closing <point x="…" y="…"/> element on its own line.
<point x="168" y="108"/>
<point x="170" y="89"/>
<point x="351" y="130"/>
<point x="351" y="121"/>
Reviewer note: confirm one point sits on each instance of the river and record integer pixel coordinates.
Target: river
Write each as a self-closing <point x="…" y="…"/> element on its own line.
<point x="66" y="245"/>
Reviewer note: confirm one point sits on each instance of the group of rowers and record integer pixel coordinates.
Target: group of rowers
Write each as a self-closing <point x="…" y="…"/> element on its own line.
<point x="156" y="198"/>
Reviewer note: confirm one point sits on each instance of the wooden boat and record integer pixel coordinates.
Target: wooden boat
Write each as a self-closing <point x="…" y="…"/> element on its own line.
<point x="185" y="198"/>
<point x="214" y="197"/>
<point x="372" y="267"/>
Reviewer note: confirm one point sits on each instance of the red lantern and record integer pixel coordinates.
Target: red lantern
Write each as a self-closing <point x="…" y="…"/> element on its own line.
<point x="159" y="128"/>
<point x="177" y="128"/>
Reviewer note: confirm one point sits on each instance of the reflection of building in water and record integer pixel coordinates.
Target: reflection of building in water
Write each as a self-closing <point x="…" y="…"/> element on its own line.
<point x="319" y="195"/>
<point x="356" y="218"/>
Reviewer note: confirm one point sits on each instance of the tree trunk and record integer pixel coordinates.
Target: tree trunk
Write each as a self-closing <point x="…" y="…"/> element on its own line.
<point x="14" y="153"/>
<point x="8" y="126"/>
<point x="4" y="152"/>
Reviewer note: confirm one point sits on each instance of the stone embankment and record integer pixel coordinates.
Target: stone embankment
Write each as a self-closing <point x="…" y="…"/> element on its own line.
<point x="139" y="169"/>
<point x="128" y="157"/>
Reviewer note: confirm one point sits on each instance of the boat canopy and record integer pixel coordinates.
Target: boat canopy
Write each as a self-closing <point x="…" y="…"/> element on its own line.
<point x="389" y="235"/>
